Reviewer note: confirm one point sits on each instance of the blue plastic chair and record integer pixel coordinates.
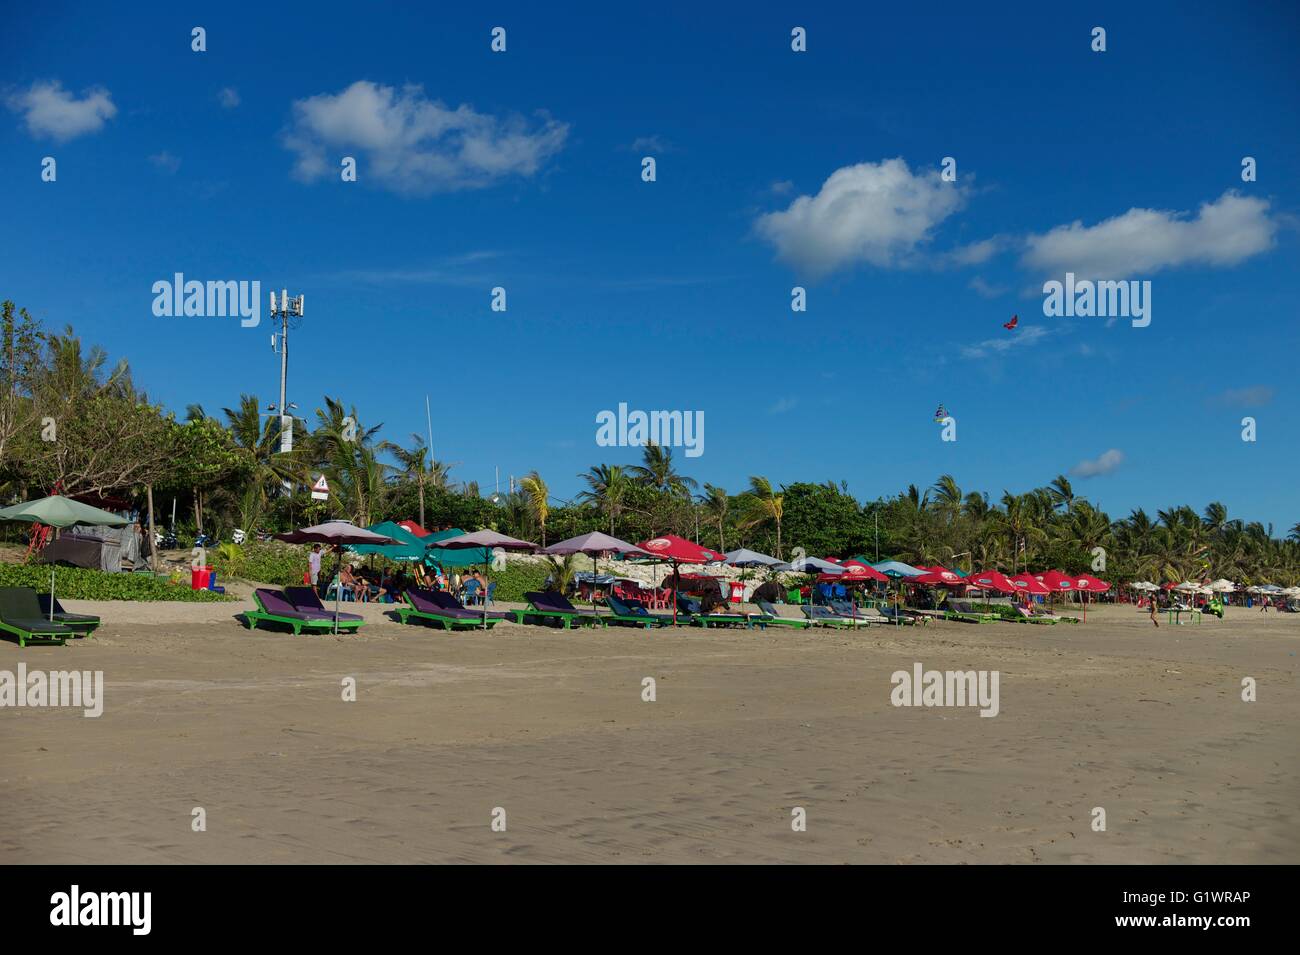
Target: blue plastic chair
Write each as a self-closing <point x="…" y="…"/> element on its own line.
<point x="491" y="590"/>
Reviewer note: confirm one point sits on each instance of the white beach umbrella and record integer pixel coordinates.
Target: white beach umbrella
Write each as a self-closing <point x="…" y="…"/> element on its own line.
<point x="1223" y="586"/>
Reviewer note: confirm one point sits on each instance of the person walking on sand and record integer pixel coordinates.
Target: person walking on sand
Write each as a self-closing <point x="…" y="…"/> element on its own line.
<point x="1155" y="614"/>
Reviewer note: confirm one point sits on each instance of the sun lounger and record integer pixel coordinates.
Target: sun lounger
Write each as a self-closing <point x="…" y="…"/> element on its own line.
<point x="897" y="617"/>
<point x="962" y="610"/>
<point x="274" y="607"/>
<point x="706" y="620"/>
<point x="305" y="600"/>
<point x="20" y="614"/>
<point x="549" y="605"/>
<point x="419" y="605"/>
<point x="633" y="612"/>
<point x="448" y="601"/>
<point x="772" y="618"/>
<point x="1024" y="616"/>
<point x="85" y="624"/>
<point x="825" y="617"/>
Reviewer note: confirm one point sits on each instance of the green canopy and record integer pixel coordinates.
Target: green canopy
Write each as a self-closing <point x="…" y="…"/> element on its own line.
<point x="59" y="511"/>
<point x="408" y="546"/>
<point x="453" y="557"/>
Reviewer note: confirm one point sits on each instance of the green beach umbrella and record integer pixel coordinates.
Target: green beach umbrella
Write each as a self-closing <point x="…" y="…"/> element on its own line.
<point x="59" y="511"/>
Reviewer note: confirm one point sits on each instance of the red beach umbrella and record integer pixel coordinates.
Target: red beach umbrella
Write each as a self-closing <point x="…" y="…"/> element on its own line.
<point x="1056" y="581"/>
<point x="678" y="550"/>
<point x="1029" y="584"/>
<point x="991" y="580"/>
<point x="937" y="576"/>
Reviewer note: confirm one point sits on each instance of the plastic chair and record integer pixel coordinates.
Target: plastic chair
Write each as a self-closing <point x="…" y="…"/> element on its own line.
<point x="491" y="590"/>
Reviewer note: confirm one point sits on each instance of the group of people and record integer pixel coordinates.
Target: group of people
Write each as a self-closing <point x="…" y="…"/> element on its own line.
<point x="362" y="584"/>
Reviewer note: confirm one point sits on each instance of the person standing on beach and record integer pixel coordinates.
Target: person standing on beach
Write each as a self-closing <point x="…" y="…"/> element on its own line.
<point x="1155" y="613"/>
<point x="313" y="567"/>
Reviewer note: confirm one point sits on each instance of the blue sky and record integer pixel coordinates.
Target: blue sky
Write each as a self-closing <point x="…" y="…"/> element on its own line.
<point x="820" y="169"/>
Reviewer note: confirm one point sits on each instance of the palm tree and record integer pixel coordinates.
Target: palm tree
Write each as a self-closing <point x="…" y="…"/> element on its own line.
<point x="271" y="467"/>
<point x="606" y="485"/>
<point x="537" y="495"/>
<point x="767" y="506"/>
<point x="1062" y="494"/>
<point x="416" y="468"/>
<point x="656" y="471"/>
<point x="1017" y="523"/>
<point x="715" y="503"/>
<point x="947" y="497"/>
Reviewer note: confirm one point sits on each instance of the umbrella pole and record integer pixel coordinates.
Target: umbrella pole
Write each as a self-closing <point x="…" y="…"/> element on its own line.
<point x="338" y="572"/>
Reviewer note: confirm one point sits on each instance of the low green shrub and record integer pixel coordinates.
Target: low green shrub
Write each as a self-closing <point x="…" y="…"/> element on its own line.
<point x="80" y="583"/>
<point x="517" y="578"/>
<point x="269" y="562"/>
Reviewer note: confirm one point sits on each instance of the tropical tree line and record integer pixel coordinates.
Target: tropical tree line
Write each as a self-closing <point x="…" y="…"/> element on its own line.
<point x="72" y="421"/>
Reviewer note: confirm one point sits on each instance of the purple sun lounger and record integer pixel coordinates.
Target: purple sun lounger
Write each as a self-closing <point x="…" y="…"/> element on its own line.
<point x="274" y="607"/>
<point x="421" y="605"/>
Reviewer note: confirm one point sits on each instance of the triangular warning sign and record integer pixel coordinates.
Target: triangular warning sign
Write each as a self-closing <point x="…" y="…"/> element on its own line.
<point x="320" y="491"/>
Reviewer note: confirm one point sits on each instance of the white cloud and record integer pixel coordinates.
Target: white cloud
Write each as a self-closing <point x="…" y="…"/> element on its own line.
<point x="166" y="162"/>
<point x="650" y="144"/>
<point x="783" y="405"/>
<point x="228" y="97"/>
<point x="414" y="145"/>
<point x="1017" y="338"/>
<point x="1142" y="241"/>
<point x="50" y="110"/>
<point x="878" y="213"/>
<point x="1105" y="464"/>
<point x="1252" y="397"/>
<point x="984" y="289"/>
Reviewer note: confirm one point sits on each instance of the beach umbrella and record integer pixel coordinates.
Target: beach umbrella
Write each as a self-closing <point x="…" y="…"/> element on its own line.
<point x="1223" y="586"/>
<point x="59" y="511"/>
<point x="595" y="544"/>
<point x="937" y="576"/>
<point x="1056" y="581"/>
<point x="1029" y="584"/>
<point x="856" y="572"/>
<point x="1088" y="584"/>
<point x="337" y="534"/>
<point x="744" y="557"/>
<point x="991" y="580"/>
<point x="678" y="550"/>
<point x="897" y="569"/>
<point x="488" y="540"/>
<point x="808" y="565"/>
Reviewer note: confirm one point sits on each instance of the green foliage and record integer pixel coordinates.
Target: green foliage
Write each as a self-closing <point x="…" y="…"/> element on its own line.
<point x="267" y="563"/>
<point x="518" y="577"/>
<point x="79" y="583"/>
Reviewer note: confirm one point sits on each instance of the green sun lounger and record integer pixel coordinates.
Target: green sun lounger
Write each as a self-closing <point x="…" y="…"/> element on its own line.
<point x="85" y="624"/>
<point x="960" y="610"/>
<point x="547" y="605"/>
<point x="274" y="607"/>
<point x="706" y="620"/>
<point x="20" y="614"/>
<point x="771" y="618"/>
<point x="633" y="615"/>
<point x="417" y="606"/>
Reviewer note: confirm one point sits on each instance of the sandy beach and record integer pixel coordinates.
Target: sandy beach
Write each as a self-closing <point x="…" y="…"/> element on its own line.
<point x="550" y="726"/>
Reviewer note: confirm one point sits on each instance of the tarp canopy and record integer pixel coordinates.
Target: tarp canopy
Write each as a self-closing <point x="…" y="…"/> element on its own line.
<point x="450" y="557"/>
<point x="896" y="569"/>
<point x="408" y="546"/>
